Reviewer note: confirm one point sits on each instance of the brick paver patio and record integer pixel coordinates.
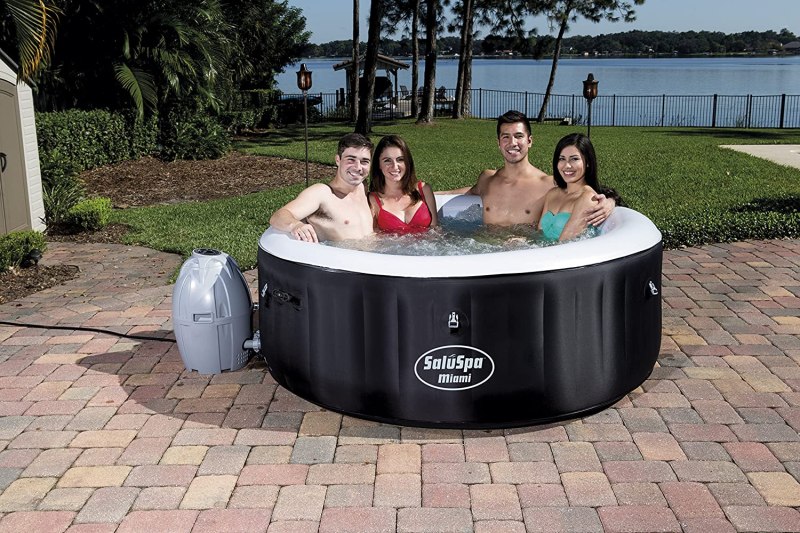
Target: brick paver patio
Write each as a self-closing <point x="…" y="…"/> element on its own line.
<point x="101" y="433"/>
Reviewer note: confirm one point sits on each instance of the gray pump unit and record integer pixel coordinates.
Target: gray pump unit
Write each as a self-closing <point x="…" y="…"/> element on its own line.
<point x="212" y="313"/>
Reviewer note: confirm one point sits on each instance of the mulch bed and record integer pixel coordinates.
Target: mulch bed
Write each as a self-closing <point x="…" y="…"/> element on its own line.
<point x="20" y="282"/>
<point x="150" y="181"/>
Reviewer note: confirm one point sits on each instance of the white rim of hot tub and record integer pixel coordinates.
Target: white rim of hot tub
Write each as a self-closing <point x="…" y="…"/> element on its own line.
<point x="625" y="232"/>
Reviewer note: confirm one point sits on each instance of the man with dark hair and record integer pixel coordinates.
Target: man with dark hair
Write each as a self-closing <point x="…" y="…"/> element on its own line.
<point x="338" y="210"/>
<point x="511" y="194"/>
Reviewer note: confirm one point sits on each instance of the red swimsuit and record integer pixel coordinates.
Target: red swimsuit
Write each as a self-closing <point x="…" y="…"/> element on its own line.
<point x="389" y="222"/>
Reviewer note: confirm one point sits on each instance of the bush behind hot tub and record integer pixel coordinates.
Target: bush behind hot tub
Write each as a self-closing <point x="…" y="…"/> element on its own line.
<point x="768" y="218"/>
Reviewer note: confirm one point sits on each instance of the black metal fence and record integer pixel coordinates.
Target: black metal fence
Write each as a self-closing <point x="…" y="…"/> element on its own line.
<point x="713" y="111"/>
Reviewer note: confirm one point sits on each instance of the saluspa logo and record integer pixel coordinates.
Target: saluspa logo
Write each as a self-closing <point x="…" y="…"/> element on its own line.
<point x="454" y="367"/>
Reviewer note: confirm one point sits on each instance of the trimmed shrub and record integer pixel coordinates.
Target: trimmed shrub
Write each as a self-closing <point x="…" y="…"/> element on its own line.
<point x="89" y="215"/>
<point x="194" y="136"/>
<point x="57" y="167"/>
<point x="238" y="121"/>
<point x="93" y="138"/>
<point x="727" y="227"/>
<point x="87" y="138"/>
<point x="143" y="135"/>
<point x="16" y="246"/>
<point x="248" y="109"/>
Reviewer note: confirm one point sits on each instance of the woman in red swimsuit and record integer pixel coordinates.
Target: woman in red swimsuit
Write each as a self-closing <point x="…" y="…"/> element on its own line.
<point x="400" y="204"/>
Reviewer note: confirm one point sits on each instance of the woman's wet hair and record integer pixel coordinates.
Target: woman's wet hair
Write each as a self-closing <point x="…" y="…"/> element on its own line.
<point x="377" y="182"/>
<point x="584" y="146"/>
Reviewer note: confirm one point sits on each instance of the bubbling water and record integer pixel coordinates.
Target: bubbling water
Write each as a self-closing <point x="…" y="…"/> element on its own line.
<point x="464" y="234"/>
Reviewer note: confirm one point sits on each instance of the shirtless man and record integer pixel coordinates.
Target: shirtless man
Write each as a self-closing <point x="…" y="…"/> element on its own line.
<point x="338" y="210"/>
<point x="513" y="193"/>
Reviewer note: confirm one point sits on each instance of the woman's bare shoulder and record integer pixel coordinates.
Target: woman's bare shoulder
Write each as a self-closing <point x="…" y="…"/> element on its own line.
<point x="587" y="193"/>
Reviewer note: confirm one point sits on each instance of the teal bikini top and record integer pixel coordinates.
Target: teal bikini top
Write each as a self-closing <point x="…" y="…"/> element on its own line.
<point x="553" y="224"/>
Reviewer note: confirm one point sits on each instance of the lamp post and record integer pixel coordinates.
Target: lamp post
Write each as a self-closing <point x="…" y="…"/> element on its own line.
<point x="304" y="84"/>
<point x="590" y="93"/>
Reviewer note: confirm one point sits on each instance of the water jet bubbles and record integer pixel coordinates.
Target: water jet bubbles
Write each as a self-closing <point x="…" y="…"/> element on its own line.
<point x="462" y="235"/>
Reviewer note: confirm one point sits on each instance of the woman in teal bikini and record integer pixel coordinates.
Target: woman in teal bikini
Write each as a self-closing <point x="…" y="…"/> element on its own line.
<point x="575" y="174"/>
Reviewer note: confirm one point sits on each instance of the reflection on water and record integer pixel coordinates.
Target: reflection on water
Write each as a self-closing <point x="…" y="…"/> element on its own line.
<point x="463" y="235"/>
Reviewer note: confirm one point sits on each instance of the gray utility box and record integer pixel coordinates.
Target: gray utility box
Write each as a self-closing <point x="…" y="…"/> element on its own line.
<point x="211" y="313"/>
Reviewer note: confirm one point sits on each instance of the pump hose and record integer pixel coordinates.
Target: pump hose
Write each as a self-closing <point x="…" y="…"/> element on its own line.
<point x="94" y="330"/>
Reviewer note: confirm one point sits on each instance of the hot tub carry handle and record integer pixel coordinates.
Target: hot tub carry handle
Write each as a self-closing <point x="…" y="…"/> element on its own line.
<point x="452" y="321"/>
<point x="652" y="289"/>
<point x="284" y="297"/>
<point x="457" y="322"/>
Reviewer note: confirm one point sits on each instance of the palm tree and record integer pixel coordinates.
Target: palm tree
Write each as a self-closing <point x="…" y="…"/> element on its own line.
<point x="140" y="54"/>
<point x="34" y="30"/>
<point x="173" y="51"/>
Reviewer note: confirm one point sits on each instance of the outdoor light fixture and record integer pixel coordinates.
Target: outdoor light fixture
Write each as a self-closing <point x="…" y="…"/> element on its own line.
<point x="590" y="93"/>
<point x="303" y="78"/>
<point x="304" y="84"/>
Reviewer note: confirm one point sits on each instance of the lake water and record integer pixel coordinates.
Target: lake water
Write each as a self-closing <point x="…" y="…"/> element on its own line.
<point x="635" y="76"/>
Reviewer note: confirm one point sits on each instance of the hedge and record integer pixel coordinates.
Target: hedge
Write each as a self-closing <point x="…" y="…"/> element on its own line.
<point x="92" y="138"/>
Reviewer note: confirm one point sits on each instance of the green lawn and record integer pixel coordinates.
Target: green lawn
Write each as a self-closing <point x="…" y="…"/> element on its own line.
<point x="693" y="190"/>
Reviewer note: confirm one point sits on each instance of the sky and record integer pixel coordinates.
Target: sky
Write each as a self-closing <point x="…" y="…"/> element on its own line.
<point x="331" y="20"/>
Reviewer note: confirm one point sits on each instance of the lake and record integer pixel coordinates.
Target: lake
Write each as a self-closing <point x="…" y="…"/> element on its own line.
<point x="620" y="76"/>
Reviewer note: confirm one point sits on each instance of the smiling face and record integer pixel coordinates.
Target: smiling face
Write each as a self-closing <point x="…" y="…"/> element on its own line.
<point x="514" y="141"/>
<point x="353" y="165"/>
<point x="571" y="166"/>
<point x="393" y="164"/>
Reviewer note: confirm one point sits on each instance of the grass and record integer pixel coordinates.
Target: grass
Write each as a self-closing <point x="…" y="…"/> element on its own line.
<point x="693" y="190"/>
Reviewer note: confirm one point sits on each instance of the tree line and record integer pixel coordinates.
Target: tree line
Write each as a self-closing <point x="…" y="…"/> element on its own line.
<point x="630" y="43"/>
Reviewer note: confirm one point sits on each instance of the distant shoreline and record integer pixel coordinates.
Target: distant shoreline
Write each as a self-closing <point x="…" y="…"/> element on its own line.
<point x="582" y="56"/>
<point x="629" y="76"/>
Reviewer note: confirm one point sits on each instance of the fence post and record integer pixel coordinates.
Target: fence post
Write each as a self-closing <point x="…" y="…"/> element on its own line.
<point x="783" y="109"/>
<point x="749" y="109"/>
<point x="614" y="110"/>
<point x="572" y="113"/>
<point x="663" y="105"/>
<point x="480" y="102"/>
<point x="714" y="112"/>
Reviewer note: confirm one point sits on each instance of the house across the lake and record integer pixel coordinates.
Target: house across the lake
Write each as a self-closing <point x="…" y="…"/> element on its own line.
<point x="792" y="47"/>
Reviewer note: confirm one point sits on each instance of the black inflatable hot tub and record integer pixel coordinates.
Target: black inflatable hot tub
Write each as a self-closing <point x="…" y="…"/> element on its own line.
<point x="483" y="341"/>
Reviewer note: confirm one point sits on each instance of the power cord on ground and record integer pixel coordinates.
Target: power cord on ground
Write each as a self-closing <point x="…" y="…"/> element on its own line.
<point x="94" y="330"/>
